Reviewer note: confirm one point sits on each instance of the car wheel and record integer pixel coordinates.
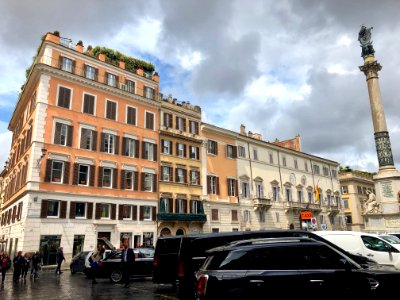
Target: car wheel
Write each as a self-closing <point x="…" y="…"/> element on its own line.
<point x="72" y="270"/>
<point x="116" y="276"/>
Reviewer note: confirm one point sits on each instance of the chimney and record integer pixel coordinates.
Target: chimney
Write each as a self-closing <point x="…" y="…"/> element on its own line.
<point x="79" y="47"/>
<point x="242" y="129"/>
<point x="250" y="134"/>
<point x="102" y="57"/>
<point x="170" y="99"/>
<point x="257" y="136"/>
<point x="121" y="64"/>
<point x="156" y="77"/>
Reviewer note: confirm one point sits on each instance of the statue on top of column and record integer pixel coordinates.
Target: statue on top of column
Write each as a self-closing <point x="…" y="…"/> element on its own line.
<point x="364" y="37"/>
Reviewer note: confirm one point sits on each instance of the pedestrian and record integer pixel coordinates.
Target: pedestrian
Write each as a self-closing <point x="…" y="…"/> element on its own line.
<point x="93" y="260"/>
<point x="59" y="259"/>
<point x="5" y="264"/>
<point x="127" y="261"/>
<point x="36" y="263"/>
<point x="18" y="263"/>
<point x="25" y="266"/>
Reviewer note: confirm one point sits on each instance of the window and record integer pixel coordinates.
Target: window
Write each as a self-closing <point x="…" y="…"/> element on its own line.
<point x="127" y="212"/>
<point x="234" y="215"/>
<point x="109" y="143"/>
<point x="83" y="176"/>
<point x="130" y="115"/>
<point x="111" y="110"/>
<point x="111" y="79"/>
<point x="348" y="219"/>
<point x="246" y="216"/>
<point x="167" y="121"/>
<point x="130" y="147"/>
<point x="194" y="127"/>
<point x="255" y="154"/>
<point x="229" y="151"/>
<point x="359" y="189"/>
<point x="166" y="147"/>
<point x="87" y="139"/>
<point x="245" y="189"/>
<point x="300" y="196"/>
<point x="213" y="184"/>
<point x="326" y="171"/>
<point x="259" y="190"/>
<point x="214" y="214"/>
<point x="90" y="72"/>
<point x="67" y="64"/>
<point x="277" y="217"/>
<point x="166" y="173"/>
<point x="130" y="86"/>
<point x="195" y="207"/>
<point x="107" y="177"/>
<point x="310" y="196"/>
<point x="53" y="208"/>
<point x="148" y="92"/>
<point x="288" y="194"/>
<point x="194" y="177"/>
<point x="212" y="147"/>
<point x="148" y="182"/>
<point x="296" y="165"/>
<point x="231" y="186"/>
<point x="147" y="213"/>
<point x="261" y="216"/>
<point x="344" y="189"/>
<point x="284" y="161"/>
<point x="80" y="210"/>
<point x="165" y="205"/>
<point x="271" y="158"/>
<point x="180" y="206"/>
<point x="345" y="203"/>
<point x="306" y="166"/>
<point x="88" y="104"/>
<point x="180" y="175"/>
<point x="334" y="173"/>
<point x="194" y="152"/>
<point x="57" y="171"/>
<point x="181" y="149"/>
<point x="149" y="151"/>
<point x="275" y="193"/>
<point x="241" y="151"/>
<point x="129" y="180"/>
<point x="149" y="120"/>
<point x="63" y="134"/>
<point x="104" y="211"/>
<point x="64" y="97"/>
<point x="316" y="169"/>
<point x="180" y="124"/>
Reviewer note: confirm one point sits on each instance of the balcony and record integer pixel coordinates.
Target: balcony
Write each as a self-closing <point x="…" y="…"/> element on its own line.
<point x="333" y="209"/>
<point x="314" y="207"/>
<point x="179" y="217"/>
<point x="295" y="205"/>
<point x="262" y="203"/>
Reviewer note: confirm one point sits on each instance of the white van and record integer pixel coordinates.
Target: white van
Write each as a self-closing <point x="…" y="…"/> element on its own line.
<point x="366" y="244"/>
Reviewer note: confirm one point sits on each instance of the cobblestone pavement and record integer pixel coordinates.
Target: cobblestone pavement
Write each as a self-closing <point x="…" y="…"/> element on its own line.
<point x="66" y="286"/>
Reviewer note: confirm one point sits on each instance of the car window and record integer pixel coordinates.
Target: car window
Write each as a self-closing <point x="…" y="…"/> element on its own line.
<point x="391" y="239"/>
<point x="375" y="244"/>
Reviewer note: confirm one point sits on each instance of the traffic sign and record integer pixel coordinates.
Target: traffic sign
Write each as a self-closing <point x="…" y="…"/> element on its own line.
<point x="323" y="226"/>
<point x="313" y="222"/>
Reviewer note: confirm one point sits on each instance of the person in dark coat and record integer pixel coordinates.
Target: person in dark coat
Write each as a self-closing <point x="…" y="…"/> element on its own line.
<point x="5" y="264"/>
<point x="59" y="259"/>
<point x="127" y="260"/>
<point x="18" y="263"/>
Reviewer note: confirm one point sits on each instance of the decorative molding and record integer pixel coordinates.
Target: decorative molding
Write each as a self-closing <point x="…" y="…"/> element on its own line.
<point x="129" y="167"/>
<point x="84" y="160"/>
<point x="108" y="164"/>
<point x="59" y="156"/>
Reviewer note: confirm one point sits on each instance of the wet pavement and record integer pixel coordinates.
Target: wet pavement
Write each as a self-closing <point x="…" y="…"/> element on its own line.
<point x="66" y="286"/>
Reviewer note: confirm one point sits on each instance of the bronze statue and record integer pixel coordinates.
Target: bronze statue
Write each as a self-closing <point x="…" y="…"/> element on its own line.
<point x="364" y="37"/>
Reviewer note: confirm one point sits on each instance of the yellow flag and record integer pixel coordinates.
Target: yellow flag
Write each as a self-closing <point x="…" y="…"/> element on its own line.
<point x="316" y="193"/>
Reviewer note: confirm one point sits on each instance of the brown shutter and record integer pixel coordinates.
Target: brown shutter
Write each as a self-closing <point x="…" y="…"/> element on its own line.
<point x="234" y="152"/>
<point x="155" y="152"/>
<point x="198" y="153"/>
<point x="217" y="185"/>
<point x="176" y="175"/>
<point x="185" y="176"/>
<point x="100" y="177"/>
<point x="102" y="141"/>
<point x="154" y="213"/>
<point x="142" y="181"/>
<point x="184" y="124"/>
<point x="144" y="156"/>
<point x="162" y="145"/>
<point x="197" y="127"/>
<point x="92" y="175"/>
<point x="115" y="178"/>
<point x="137" y="148"/>
<point x="14" y="213"/>
<point x="176" y="122"/>
<point x="141" y="211"/>
<point x="98" y="211"/>
<point x="236" y="188"/>
<point x="170" y="121"/>
<point x="67" y="167"/>
<point x="76" y="174"/>
<point x="154" y="182"/>
<point x="120" y="211"/>
<point x="216" y="148"/>
<point x="57" y="134"/>
<point x="89" y="211"/>
<point x="63" y="211"/>
<point x="94" y="142"/>
<point x="134" y="212"/>
<point x="171" y="174"/>
<point x="185" y="206"/>
<point x="227" y="184"/>
<point x="72" y="210"/>
<point x="70" y="133"/>
<point x="136" y="181"/>
<point x="96" y="74"/>
<point x="171" y="205"/>
<point x="84" y="133"/>
<point x="106" y="77"/>
<point x="208" y="185"/>
<point x="177" y="149"/>
<point x="198" y="178"/>
<point x="73" y="66"/>
<point x="20" y="211"/>
<point x="113" y="211"/>
<point x="184" y="150"/>
<point x="123" y="150"/>
<point x="43" y="209"/>
<point x="116" y="149"/>
<point x="49" y="164"/>
<point x="122" y="183"/>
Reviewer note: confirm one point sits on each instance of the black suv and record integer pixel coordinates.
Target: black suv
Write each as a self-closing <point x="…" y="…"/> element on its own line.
<point x="288" y="267"/>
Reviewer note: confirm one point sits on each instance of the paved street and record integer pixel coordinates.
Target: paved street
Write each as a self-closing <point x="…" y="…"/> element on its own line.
<point x="67" y="286"/>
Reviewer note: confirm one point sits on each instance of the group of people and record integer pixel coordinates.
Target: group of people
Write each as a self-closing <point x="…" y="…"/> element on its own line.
<point x="21" y="265"/>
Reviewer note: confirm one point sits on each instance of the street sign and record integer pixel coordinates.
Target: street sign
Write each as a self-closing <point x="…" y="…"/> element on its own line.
<point x="323" y="226"/>
<point x="305" y="215"/>
<point x="313" y="222"/>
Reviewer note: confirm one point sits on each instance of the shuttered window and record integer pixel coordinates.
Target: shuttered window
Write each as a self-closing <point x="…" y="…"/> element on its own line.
<point x="64" y="97"/>
<point x="149" y="120"/>
<point x="88" y="104"/>
<point x="111" y="110"/>
<point x="63" y="134"/>
<point x="131" y="115"/>
<point x="88" y="139"/>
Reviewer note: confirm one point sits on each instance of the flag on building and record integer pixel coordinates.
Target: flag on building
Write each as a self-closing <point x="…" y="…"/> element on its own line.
<point x="316" y="194"/>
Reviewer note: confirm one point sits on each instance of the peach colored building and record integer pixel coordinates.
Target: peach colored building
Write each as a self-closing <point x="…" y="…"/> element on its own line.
<point x="84" y="157"/>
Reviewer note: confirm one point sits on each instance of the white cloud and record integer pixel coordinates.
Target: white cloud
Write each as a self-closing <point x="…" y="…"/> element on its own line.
<point x="189" y="60"/>
<point x="5" y="142"/>
<point x="344" y="40"/>
<point x="340" y="70"/>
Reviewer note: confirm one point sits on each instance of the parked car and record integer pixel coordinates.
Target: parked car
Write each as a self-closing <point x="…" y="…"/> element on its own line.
<point x="391" y="239"/>
<point x="176" y="259"/>
<point x="111" y="266"/>
<point x="365" y="244"/>
<point x="288" y="267"/>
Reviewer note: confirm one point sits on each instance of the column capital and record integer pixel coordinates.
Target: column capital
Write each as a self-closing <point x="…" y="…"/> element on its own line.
<point x="371" y="69"/>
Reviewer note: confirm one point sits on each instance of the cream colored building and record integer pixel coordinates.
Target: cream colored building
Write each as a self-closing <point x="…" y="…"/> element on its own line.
<point x="354" y="186"/>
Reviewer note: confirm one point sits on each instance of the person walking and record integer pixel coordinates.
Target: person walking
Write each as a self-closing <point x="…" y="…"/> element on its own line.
<point x="18" y="263"/>
<point x="127" y="260"/>
<point x="93" y="260"/>
<point x="25" y="266"/>
<point x="36" y="262"/>
<point x="59" y="259"/>
<point x="5" y="264"/>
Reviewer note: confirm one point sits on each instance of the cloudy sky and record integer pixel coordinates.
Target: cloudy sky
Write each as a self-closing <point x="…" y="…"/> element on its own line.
<point x="280" y="67"/>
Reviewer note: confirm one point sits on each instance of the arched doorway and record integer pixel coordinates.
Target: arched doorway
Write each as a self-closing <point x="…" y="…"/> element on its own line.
<point x="165" y="232"/>
<point x="180" y="232"/>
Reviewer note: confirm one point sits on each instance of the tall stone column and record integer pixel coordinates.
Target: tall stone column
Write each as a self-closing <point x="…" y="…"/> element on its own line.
<point x="382" y="140"/>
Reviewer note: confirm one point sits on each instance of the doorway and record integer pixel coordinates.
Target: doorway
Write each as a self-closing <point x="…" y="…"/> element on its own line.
<point x="48" y="248"/>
